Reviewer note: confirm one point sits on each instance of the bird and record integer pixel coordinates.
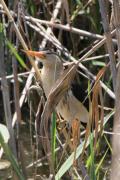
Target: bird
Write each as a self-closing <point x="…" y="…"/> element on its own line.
<point x="69" y="107"/>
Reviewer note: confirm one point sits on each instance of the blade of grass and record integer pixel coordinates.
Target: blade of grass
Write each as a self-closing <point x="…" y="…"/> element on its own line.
<point x="11" y="158"/>
<point x="92" y="159"/>
<point x="108" y="144"/>
<point x="15" y="53"/>
<point x="101" y="161"/>
<point x="98" y="63"/>
<point x="53" y="136"/>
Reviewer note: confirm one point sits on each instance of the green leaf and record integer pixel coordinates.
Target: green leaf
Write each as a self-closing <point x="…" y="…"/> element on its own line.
<point x="13" y="50"/>
<point x="5" y="133"/>
<point x="98" y="63"/>
<point x="92" y="159"/>
<point x="1" y="33"/>
<point x="53" y="136"/>
<point x="11" y="158"/>
<point x="108" y="144"/>
<point x="101" y="161"/>
<point x="69" y="162"/>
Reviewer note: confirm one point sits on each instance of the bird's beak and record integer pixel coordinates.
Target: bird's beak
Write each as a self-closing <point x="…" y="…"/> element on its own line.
<point x="38" y="54"/>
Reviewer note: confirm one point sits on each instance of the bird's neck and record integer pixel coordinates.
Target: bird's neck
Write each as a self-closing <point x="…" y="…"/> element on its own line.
<point x="49" y="75"/>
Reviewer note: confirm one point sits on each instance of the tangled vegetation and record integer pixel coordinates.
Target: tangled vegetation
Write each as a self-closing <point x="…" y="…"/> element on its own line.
<point x="41" y="145"/>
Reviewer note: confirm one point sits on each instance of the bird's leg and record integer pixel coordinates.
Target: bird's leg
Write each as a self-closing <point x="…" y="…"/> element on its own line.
<point x="62" y="128"/>
<point x="75" y="126"/>
<point x="76" y="137"/>
<point x="67" y="137"/>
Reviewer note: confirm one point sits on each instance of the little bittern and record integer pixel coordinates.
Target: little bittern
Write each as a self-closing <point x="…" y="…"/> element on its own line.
<point x="69" y="108"/>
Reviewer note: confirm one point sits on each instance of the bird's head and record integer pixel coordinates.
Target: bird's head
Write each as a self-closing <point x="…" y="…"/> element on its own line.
<point x="48" y="58"/>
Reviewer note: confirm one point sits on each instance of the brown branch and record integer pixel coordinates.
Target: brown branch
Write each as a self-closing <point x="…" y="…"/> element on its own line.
<point x="115" y="173"/>
<point x="66" y="28"/>
<point x="110" y="47"/>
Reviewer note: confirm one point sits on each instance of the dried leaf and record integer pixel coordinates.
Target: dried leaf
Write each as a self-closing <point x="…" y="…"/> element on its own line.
<point x="76" y="137"/>
<point x="97" y="95"/>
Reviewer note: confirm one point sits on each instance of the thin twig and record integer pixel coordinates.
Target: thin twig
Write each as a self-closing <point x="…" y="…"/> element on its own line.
<point x="66" y="28"/>
<point x="55" y="13"/>
<point x="91" y="51"/>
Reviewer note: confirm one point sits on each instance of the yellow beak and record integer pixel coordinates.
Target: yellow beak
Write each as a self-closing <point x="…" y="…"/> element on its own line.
<point x="38" y="54"/>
